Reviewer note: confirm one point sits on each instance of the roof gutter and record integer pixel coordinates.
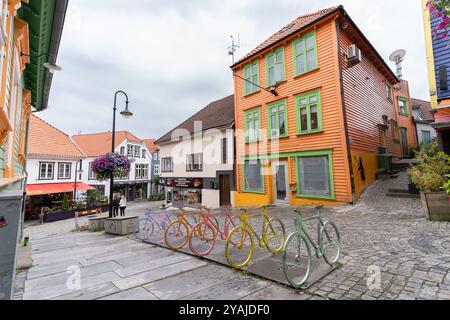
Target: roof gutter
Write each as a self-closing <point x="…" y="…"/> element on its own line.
<point x="59" y="17"/>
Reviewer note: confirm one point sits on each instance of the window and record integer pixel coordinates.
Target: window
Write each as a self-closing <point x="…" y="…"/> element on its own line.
<point x="92" y="175"/>
<point x="426" y="137"/>
<point x="64" y="171"/>
<point x="305" y="54"/>
<point x="383" y="136"/>
<point x="251" y="75"/>
<point x="144" y="154"/>
<point x="275" y="67"/>
<point x="403" y="106"/>
<point x="253" y="178"/>
<point x="395" y="131"/>
<point x="309" y="113"/>
<point x="156" y="170"/>
<point x="252" y="125"/>
<point x="137" y="152"/>
<point x="388" y="90"/>
<point x="315" y="176"/>
<point x="194" y="162"/>
<point x="122" y="150"/>
<point x="141" y="171"/>
<point x="224" y="151"/>
<point x="46" y="171"/>
<point x="277" y="116"/>
<point x="155" y="156"/>
<point x="130" y="151"/>
<point x="167" y="164"/>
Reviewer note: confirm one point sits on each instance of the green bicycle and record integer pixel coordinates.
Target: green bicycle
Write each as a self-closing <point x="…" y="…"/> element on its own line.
<point x="297" y="258"/>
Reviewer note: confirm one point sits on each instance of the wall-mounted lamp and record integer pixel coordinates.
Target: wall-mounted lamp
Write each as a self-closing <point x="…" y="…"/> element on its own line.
<point x="51" y="67"/>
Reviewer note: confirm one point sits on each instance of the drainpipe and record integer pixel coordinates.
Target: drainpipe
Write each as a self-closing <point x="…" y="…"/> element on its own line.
<point x="344" y="110"/>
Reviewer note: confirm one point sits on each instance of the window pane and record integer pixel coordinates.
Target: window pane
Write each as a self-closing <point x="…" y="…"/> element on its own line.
<point x="274" y="125"/>
<point x="309" y="42"/>
<point x="253" y="179"/>
<point x="300" y="64"/>
<point x="314" y="118"/>
<point x="255" y="68"/>
<point x="279" y="56"/>
<point x="303" y="119"/>
<point x="303" y="102"/>
<point x="311" y="59"/>
<point x="279" y="73"/>
<point x="272" y="76"/>
<point x="271" y="60"/>
<point x="315" y="176"/>
<point x="248" y="73"/>
<point x="299" y="47"/>
<point x="282" y="123"/>
<point x="256" y="128"/>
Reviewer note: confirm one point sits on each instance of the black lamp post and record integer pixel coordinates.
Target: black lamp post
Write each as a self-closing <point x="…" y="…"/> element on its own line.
<point x="126" y="114"/>
<point x="52" y="68"/>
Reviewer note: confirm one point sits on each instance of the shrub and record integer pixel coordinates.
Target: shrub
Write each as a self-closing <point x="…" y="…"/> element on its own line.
<point x="65" y="203"/>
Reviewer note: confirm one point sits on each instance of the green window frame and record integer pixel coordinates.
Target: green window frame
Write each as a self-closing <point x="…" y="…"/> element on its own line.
<point x="277" y="119"/>
<point x="389" y="90"/>
<point x="275" y="67"/>
<point x="253" y="125"/>
<point x="305" y="54"/>
<point x="406" y="105"/>
<point x="251" y="76"/>
<point x="245" y="180"/>
<point x="309" y="113"/>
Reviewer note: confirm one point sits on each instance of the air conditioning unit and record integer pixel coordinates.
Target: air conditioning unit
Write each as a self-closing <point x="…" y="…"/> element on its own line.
<point x="275" y="133"/>
<point x="353" y="55"/>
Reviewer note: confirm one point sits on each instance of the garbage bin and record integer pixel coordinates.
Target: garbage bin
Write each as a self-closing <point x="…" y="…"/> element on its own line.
<point x="385" y="161"/>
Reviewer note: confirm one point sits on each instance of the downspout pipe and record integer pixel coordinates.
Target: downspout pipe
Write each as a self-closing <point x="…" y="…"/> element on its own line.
<point x="344" y="110"/>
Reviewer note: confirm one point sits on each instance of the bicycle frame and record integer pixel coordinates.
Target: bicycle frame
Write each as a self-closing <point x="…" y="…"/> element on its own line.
<point x="206" y="217"/>
<point x="246" y="225"/>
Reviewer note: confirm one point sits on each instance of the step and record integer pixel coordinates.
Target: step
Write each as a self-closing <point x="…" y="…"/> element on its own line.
<point x="403" y="195"/>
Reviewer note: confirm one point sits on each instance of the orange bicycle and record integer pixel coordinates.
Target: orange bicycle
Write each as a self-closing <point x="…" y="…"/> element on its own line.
<point x="177" y="232"/>
<point x="203" y="236"/>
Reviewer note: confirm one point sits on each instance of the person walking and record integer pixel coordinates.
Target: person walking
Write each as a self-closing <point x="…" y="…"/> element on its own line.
<point x="123" y="205"/>
<point x="116" y="204"/>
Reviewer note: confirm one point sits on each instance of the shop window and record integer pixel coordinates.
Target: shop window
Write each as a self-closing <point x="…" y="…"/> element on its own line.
<point x="315" y="176"/>
<point x="253" y="178"/>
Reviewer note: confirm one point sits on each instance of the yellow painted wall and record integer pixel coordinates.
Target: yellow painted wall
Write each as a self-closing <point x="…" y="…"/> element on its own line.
<point x="370" y="164"/>
<point x="430" y="54"/>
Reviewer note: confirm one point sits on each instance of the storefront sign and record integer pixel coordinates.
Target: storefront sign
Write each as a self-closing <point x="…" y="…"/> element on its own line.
<point x="185" y="183"/>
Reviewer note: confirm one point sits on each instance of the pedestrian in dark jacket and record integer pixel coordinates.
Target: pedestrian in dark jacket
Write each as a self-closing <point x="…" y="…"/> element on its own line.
<point x="116" y="205"/>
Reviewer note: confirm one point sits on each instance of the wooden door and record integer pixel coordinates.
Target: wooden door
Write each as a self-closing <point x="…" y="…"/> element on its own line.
<point x="405" y="145"/>
<point x="225" y="190"/>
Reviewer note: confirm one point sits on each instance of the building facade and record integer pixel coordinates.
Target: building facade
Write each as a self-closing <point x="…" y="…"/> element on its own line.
<point x="197" y="158"/>
<point x="438" y="61"/>
<point x="155" y="167"/>
<point x="423" y="118"/>
<point x="137" y="185"/>
<point x="315" y="106"/>
<point x="30" y="36"/>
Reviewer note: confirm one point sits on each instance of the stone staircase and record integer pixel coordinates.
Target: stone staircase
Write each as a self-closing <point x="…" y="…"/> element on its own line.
<point x="400" y="193"/>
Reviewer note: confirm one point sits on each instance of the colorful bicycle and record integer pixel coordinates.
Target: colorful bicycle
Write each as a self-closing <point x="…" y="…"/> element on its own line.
<point x="202" y="239"/>
<point x="296" y="259"/>
<point x="239" y="246"/>
<point x="151" y="225"/>
<point x="177" y="232"/>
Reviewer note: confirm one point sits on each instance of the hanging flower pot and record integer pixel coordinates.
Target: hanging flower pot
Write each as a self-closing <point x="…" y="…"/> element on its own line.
<point x="114" y="163"/>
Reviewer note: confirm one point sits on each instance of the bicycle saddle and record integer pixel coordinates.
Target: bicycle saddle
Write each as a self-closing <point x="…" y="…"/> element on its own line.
<point x="319" y="207"/>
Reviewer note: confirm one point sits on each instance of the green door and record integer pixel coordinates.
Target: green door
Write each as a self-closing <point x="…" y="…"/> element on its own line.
<point x="405" y="145"/>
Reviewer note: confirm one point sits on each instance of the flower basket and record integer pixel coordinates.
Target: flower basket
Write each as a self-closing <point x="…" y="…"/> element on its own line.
<point x="114" y="163"/>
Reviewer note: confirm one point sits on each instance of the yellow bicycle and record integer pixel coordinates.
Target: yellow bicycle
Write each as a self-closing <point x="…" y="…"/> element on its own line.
<point x="240" y="244"/>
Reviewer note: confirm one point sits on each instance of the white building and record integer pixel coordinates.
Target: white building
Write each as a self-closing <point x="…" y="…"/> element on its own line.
<point x="423" y="118"/>
<point x="197" y="158"/>
<point x="52" y="160"/>
<point x="137" y="185"/>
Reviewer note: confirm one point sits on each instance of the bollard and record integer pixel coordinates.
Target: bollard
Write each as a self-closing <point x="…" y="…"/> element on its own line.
<point x="77" y="227"/>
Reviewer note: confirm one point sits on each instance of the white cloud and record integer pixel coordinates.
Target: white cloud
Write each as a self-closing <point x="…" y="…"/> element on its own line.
<point x="171" y="56"/>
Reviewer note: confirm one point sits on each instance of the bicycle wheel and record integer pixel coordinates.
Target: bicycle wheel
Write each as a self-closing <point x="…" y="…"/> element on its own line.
<point x="330" y="243"/>
<point x="176" y="235"/>
<point x="239" y="248"/>
<point x="143" y="229"/>
<point x="275" y="235"/>
<point x="296" y="260"/>
<point x="202" y="239"/>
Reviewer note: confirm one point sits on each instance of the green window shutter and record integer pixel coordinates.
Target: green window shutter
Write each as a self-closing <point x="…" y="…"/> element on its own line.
<point x="278" y="121"/>
<point x="275" y="67"/>
<point x="309" y="113"/>
<point x="305" y="54"/>
<point x="251" y="75"/>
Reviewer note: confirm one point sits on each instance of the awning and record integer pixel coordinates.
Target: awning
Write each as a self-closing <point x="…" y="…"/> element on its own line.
<point x="50" y="188"/>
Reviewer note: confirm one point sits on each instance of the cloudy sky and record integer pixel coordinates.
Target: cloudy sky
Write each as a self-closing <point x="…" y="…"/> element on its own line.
<point x="170" y="56"/>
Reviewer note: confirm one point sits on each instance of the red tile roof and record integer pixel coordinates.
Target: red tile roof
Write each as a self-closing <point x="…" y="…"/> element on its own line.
<point x="97" y="144"/>
<point x="217" y="114"/>
<point x="49" y="142"/>
<point x="290" y="29"/>
<point x="425" y="108"/>
<point x="151" y="146"/>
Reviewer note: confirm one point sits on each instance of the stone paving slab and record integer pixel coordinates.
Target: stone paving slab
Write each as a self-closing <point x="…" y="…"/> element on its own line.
<point x="92" y="293"/>
<point x="138" y="293"/>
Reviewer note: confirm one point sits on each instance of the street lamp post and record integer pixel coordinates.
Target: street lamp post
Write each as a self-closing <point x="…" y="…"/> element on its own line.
<point x="126" y="114"/>
<point x="75" y="186"/>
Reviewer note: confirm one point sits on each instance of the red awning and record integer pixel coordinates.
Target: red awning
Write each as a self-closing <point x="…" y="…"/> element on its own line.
<point x="50" y="188"/>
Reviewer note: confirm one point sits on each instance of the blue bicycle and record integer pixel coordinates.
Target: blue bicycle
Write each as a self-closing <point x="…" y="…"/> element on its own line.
<point x="152" y="226"/>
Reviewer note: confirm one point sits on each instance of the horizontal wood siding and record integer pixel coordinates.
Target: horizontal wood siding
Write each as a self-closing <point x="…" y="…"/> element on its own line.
<point x="366" y="103"/>
<point x="406" y="121"/>
<point x="325" y="79"/>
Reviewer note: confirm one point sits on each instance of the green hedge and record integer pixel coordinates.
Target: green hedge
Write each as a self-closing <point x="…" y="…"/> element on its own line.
<point x="157" y="197"/>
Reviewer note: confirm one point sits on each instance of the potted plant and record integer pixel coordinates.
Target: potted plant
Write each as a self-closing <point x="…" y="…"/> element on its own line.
<point x="111" y="163"/>
<point x="447" y="186"/>
<point x="429" y="175"/>
<point x="413" y="189"/>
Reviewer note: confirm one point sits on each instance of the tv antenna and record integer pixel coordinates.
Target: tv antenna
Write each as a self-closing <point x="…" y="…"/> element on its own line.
<point x="233" y="48"/>
<point x="398" y="56"/>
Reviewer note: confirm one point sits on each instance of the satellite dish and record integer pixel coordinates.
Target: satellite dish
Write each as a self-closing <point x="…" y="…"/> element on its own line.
<point x="397" y="55"/>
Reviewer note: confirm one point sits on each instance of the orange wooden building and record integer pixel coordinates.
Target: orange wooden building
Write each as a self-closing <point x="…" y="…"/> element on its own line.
<point x="315" y="105"/>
